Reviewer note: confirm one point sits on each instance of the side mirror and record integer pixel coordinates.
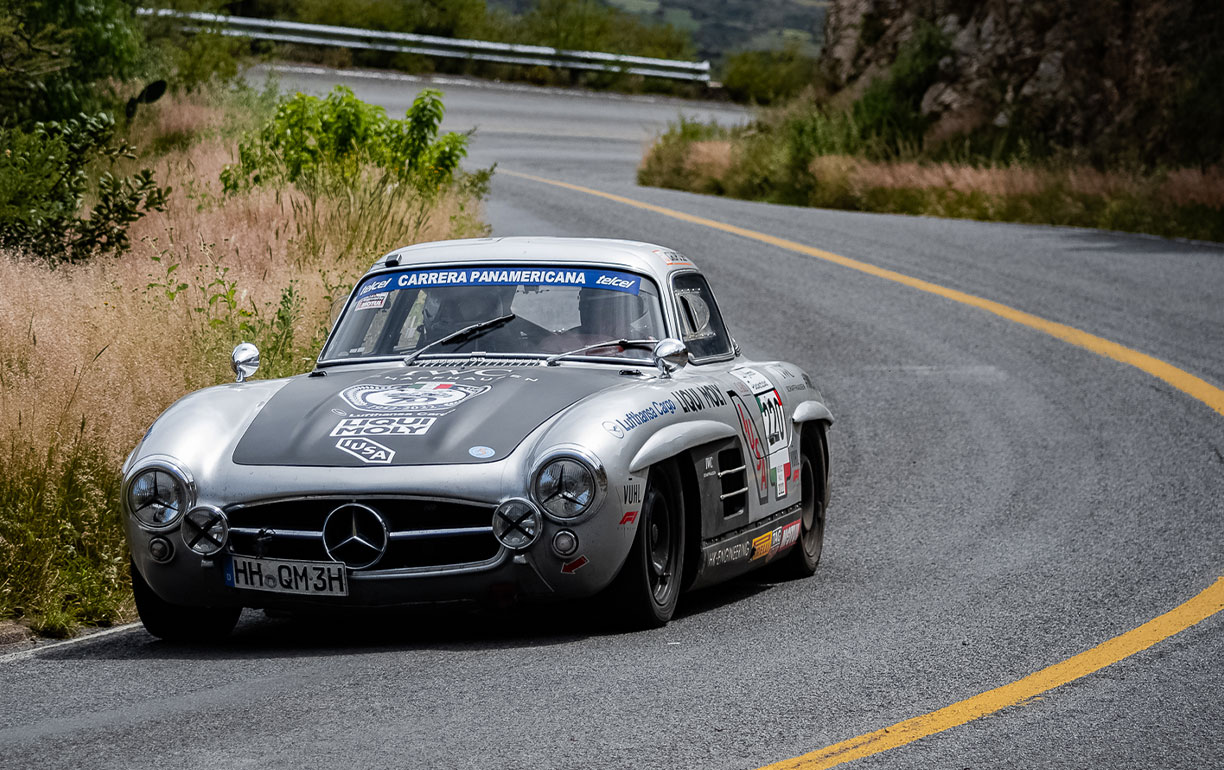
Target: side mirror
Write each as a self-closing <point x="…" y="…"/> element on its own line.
<point x="244" y="360"/>
<point x="669" y="355"/>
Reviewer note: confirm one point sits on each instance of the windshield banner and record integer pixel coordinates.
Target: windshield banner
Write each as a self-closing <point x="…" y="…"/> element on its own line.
<point x="502" y="276"/>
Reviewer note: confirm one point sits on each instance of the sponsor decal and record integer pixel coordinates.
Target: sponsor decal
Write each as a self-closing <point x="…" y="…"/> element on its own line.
<point x="371" y="303"/>
<point x="629" y="518"/>
<point x="672" y="258"/>
<point x="779" y="471"/>
<point x="481" y="452"/>
<point x="792" y="387"/>
<point x="614" y="429"/>
<point x="790" y="535"/>
<point x="383" y="426"/>
<point x="366" y="450"/>
<point x="699" y="398"/>
<point x="632" y="493"/>
<point x="456" y="375"/>
<point x="752" y="440"/>
<point x="570" y="567"/>
<point x="410" y="396"/>
<point x="808" y="381"/>
<point x="709" y="468"/>
<point x="761" y="545"/>
<point x="756" y="382"/>
<point x="534" y="276"/>
<point x="729" y="554"/>
<point x="634" y="419"/>
<point x="772" y="543"/>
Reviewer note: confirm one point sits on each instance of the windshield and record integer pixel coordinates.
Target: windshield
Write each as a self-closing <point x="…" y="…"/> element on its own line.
<point x="555" y="308"/>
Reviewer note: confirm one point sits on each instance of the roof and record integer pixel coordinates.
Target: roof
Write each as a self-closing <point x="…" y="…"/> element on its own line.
<point x="647" y="258"/>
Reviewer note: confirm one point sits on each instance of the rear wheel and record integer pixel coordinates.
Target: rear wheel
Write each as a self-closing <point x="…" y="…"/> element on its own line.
<point x="648" y="586"/>
<point x="803" y="559"/>
<point x="176" y="623"/>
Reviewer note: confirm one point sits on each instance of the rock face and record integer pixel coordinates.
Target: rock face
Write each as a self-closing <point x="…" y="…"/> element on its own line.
<point x="1100" y="77"/>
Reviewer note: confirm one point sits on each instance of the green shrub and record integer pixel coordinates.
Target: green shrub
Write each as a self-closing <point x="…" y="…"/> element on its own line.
<point x="61" y="57"/>
<point x="768" y="77"/>
<point x="339" y="137"/>
<point x="888" y="110"/>
<point x="45" y="178"/>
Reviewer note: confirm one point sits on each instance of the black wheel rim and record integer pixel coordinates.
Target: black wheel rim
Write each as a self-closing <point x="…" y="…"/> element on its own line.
<point x="812" y="533"/>
<point x="662" y="546"/>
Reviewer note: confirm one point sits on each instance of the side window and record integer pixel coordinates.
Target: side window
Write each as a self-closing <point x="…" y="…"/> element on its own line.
<point x="701" y="325"/>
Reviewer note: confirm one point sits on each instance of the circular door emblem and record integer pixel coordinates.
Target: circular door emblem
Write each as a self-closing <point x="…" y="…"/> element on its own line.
<point x="355" y="535"/>
<point x="410" y="396"/>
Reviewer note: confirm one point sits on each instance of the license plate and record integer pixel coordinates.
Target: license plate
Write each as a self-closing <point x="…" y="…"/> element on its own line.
<point x="287" y="577"/>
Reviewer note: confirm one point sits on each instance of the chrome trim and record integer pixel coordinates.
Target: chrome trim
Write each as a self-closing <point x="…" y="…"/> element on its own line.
<point x="729" y="471"/>
<point x="341" y="498"/>
<point x="501" y="557"/>
<point x="736" y="493"/>
<point x="424" y="534"/>
<point x="582" y="455"/>
<point x="380" y="548"/>
<point x="297" y="534"/>
<point x="174" y="468"/>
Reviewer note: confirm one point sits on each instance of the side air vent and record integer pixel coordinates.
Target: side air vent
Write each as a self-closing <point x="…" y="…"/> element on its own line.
<point x="733" y="476"/>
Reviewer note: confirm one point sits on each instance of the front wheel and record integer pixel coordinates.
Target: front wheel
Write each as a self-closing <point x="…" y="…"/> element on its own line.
<point x="176" y="623"/>
<point x="803" y="559"/>
<point x="648" y="586"/>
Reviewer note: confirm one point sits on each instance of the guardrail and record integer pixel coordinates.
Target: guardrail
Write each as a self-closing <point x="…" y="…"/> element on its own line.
<point x="430" y="45"/>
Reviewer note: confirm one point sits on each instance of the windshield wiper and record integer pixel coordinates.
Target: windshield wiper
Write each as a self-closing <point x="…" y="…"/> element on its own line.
<point x="552" y="360"/>
<point x="464" y="335"/>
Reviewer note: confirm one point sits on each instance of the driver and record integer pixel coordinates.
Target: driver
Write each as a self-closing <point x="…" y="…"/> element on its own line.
<point x="605" y="315"/>
<point x="461" y="306"/>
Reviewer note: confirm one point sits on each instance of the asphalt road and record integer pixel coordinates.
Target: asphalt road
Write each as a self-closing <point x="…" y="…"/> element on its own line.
<point x="1001" y="501"/>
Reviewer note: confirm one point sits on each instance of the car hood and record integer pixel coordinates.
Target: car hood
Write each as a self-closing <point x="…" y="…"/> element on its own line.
<point x="398" y="416"/>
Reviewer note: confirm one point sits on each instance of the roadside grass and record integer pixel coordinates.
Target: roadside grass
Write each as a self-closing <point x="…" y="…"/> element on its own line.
<point x="91" y="353"/>
<point x="824" y="162"/>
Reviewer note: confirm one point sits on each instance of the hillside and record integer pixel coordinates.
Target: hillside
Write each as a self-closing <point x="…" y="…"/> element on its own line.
<point x="727" y="26"/>
<point x="1109" y="79"/>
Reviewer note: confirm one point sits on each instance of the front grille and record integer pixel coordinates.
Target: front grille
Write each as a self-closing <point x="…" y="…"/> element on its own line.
<point x="423" y="533"/>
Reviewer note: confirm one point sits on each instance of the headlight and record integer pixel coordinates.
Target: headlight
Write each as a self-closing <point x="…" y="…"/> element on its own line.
<point x="565" y="487"/>
<point x="158" y="495"/>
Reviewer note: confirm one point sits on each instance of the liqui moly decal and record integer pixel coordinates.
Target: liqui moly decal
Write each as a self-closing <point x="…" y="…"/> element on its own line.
<point x="383" y="426"/>
<point x="411" y="397"/>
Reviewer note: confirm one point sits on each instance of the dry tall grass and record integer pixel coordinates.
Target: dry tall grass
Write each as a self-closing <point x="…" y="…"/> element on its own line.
<point x="91" y="353"/>
<point x="1181" y="202"/>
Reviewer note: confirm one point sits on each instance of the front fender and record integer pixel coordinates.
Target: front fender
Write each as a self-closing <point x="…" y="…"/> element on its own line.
<point x="671" y="440"/>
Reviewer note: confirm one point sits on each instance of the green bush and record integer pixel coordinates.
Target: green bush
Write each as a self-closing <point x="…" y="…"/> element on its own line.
<point x="62" y="57"/>
<point x="45" y="179"/>
<point x="339" y="137"/>
<point x="888" y="110"/>
<point x="768" y="77"/>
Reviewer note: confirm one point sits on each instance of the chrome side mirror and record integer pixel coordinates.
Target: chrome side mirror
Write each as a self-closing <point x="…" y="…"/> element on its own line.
<point x="669" y="355"/>
<point x="244" y="360"/>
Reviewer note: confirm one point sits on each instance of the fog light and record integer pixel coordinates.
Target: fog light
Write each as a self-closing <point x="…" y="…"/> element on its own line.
<point x="160" y="549"/>
<point x="205" y="530"/>
<point x="565" y="543"/>
<point x="516" y="524"/>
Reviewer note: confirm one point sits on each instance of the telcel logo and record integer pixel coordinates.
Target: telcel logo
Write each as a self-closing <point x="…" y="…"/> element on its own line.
<point x="611" y="280"/>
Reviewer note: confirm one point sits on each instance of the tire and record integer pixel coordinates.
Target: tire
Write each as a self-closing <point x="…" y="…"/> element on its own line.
<point x="804" y="557"/>
<point x="648" y="586"/>
<point x="175" y="623"/>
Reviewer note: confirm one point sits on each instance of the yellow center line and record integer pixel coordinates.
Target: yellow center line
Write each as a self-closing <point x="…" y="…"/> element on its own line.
<point x="1207" y="603"/>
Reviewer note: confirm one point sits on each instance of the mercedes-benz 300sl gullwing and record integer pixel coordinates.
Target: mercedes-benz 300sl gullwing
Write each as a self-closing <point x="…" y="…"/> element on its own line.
<point x="536" y="418"/>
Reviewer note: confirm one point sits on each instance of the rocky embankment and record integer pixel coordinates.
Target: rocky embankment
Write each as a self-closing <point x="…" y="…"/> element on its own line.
<point x="1111" y="78"/>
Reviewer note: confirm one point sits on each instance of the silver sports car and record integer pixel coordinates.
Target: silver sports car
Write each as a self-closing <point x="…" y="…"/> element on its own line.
<point x="489" y="419"/>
